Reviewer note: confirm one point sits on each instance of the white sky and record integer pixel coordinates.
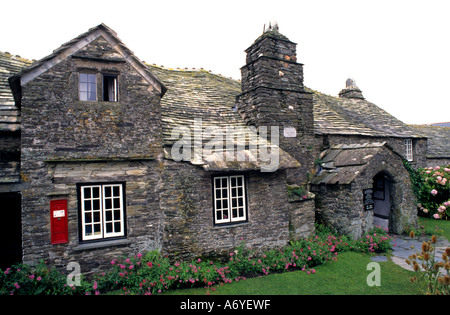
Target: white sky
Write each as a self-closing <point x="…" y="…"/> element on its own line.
<point x="397" y="51"/>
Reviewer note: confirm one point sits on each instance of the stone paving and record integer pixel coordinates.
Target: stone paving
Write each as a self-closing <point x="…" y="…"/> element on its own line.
<point x="404" y="246"/>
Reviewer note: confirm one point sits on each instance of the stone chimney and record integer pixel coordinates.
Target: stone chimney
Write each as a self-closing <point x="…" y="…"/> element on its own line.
<point x="273" y="95"/>
<point x="351" y="90"/>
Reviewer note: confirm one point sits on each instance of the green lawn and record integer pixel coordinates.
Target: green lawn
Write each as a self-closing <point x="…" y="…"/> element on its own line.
<point x="432" y="226"/>
<point x="346" y="276"/>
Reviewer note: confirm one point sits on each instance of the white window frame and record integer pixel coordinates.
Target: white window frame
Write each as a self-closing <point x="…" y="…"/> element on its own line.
<point x="230" y="199"/>
<point x="109" y="208"/>
<point x="87" y="87"/>
<point x="409" y="149"/>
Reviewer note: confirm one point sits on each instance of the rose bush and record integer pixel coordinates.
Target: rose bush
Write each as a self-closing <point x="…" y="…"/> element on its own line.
<point x="433" y="192"/>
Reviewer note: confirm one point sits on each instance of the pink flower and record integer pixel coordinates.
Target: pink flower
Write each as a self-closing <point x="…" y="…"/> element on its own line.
<point x="95" y="285"/>
<point x="17" y="285"/>
<point x="436" y="216"/>
<point x="434" y="192"/>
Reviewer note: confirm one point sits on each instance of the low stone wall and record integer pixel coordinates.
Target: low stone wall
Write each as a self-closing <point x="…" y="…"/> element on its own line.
<point x="301" y="218"/>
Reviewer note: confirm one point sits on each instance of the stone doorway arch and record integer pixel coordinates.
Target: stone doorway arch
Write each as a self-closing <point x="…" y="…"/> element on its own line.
<point x="361" y="186"/>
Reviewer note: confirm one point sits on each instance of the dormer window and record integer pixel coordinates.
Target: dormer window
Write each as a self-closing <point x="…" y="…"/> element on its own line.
<point x="87" y="87"/>
<point x="110" y="88"/>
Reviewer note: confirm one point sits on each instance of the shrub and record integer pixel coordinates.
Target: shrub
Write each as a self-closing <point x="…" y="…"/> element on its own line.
<point x="429" y="277"/>
<point x="22" y="279"/>
<point x="153" y="273"/>
<point x="432" y="190"/>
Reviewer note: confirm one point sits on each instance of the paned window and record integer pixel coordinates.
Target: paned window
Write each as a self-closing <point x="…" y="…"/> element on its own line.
<point x="102" y="211"/>
<point x="87" y="87"/>
<point x="409" y="149"/>
<point x="229" y="199"/>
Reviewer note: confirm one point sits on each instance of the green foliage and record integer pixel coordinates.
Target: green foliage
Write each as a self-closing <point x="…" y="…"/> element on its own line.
<point x="22" y="279"/>
<point x="431" y="187"/>
<point x="153" y="273"/>
<point x="432" y="276"/>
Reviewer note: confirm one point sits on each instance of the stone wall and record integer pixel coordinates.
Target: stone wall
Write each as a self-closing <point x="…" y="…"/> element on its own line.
<point x="433" y="162"/>
<point x="67" y="142"/>
<point x="301" y="218"/>
<point x="339" y="207"/>
<point x="342" y="205"/>
<point x="143" y="215"/>
<point x="273" y="95"/>
<point x="187" y="210"/>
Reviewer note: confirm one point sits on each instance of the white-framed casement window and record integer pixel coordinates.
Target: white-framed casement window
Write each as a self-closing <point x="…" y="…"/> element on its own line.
<point x="87" y="87"/>
<point x="229" y="199"/>
<point x="102" y="211"/>
<point x="409" y="149"/>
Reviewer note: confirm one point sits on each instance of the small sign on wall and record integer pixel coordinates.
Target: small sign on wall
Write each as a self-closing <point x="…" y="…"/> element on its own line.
<point x="368" y="199"/>
<point x="289" y="132"/>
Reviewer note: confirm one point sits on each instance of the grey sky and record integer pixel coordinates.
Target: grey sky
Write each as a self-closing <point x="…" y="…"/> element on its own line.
<point x="397" y="51"/>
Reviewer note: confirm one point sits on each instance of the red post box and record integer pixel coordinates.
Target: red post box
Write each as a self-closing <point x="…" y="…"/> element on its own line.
<point x="58" y="220"/>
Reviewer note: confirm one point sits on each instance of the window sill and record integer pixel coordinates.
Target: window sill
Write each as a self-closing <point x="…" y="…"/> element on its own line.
<point x="230" y="225"/>
<point x="101" y="244"/>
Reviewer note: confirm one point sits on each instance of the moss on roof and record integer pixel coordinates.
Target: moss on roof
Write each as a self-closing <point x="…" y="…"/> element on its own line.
<point x="343" y="116"/>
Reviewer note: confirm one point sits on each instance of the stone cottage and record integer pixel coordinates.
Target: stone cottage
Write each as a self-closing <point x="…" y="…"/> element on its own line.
<point x="361" y="186"/>
<point x="103" y="155"/>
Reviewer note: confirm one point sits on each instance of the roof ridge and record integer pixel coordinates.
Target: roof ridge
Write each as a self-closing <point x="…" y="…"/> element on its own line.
<point x="17" y="57"/>
<point x="186" y="69"/>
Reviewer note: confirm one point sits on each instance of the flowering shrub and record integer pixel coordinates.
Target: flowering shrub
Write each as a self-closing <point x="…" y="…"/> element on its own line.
<point x="21" y="279"/>
<point x="433" y="192"/>
<point x="153" y="273"/>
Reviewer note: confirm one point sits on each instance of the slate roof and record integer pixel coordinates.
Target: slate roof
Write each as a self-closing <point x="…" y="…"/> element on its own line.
<point x="198" y="94"/>
<point x="341" y="164"/>
<point x="198" y="99"/>
<point x="355" y="116"/>
<point x="9" y="113"/>
<point x="438" y="140"/>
